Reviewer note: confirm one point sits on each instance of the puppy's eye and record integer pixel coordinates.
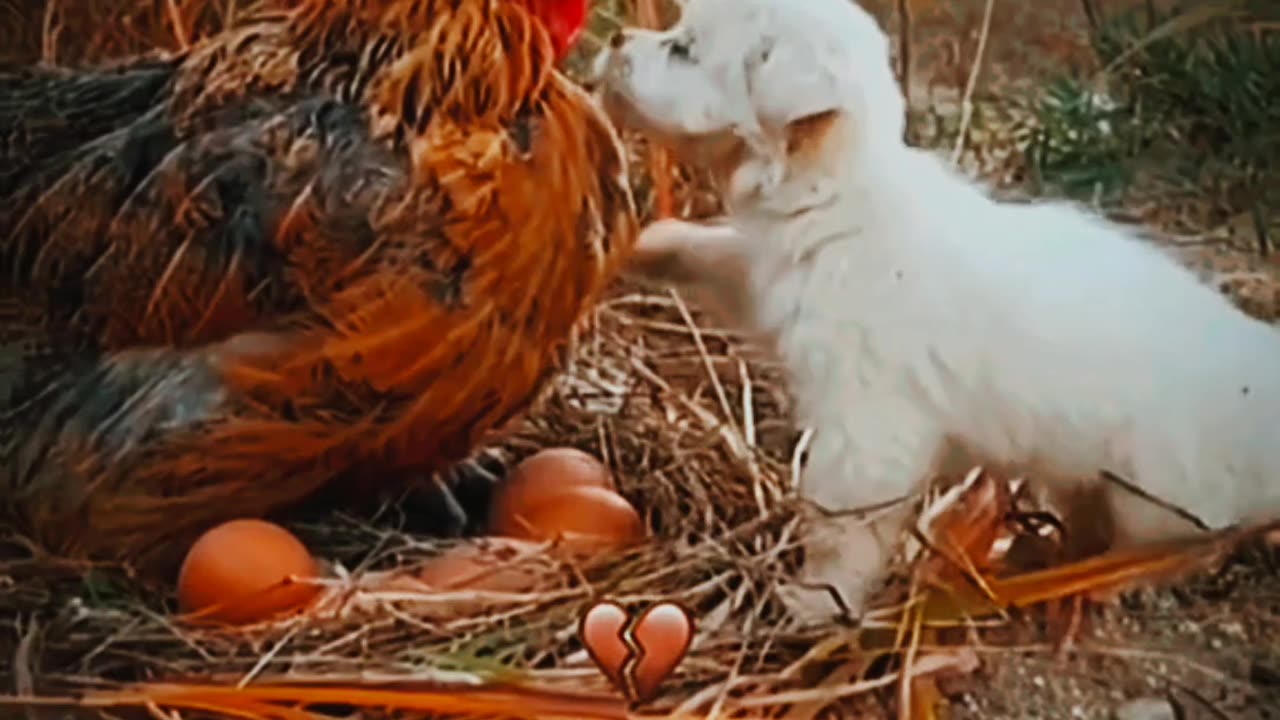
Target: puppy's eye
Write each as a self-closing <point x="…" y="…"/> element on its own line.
<point x="680" y="50"/>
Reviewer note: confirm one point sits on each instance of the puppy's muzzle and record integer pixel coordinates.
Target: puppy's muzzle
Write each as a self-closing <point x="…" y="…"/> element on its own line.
<point x="610" y="69"/>
<point x="611" y="64"/>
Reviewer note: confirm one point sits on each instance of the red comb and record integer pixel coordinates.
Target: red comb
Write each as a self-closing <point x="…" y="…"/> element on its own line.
<point x="564" y="19"/>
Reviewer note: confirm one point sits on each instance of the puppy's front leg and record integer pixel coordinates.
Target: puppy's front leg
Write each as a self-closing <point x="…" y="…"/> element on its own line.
<point x="881" y="451"/>
<point x="707" y="261"/>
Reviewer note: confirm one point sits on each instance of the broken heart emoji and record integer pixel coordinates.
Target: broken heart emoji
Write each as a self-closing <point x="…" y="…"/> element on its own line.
<point x="601" y="632"/>
<point x="637" y="657"/>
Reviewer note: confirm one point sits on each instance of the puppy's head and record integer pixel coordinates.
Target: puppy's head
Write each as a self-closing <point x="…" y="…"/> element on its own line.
<point x="784" y="72"/>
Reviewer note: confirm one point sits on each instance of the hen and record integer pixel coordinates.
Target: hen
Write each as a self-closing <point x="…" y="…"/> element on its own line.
<point x="338" y="242"/>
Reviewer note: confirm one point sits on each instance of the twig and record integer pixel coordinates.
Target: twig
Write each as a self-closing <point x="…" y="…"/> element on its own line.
<point x="1200" y="699"/>
<point x="1129" y="487"/>
<point x="927" y="665"/>
<point x="966" y="103"/>
<point x="797" y="455"/>
<point x="180" y="31"/>
<point x="659" y="160"/>
<point x="748" y="404"/>
<point x="1090" y="14"/>
<point x="725" y="406"/>
<point x="270" y="655"/>
<point x="736" y="669"/>
<point x="50" y="29"/>
<point x="159" y="714"/>
<point x="24" y="663"/>
<point x="904" y="50"/>
<point x="1136" y="653"/>
<point x="23" y="678"/>
<point x="916" y="623"/>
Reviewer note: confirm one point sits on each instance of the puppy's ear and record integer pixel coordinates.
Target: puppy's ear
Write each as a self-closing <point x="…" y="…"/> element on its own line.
<point x="790" y="86"/>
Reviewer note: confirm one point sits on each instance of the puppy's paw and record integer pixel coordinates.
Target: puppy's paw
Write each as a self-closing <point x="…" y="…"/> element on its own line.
<point x="810" y="606"/>
<point x="685" y="253"/>
<point x="665" y="236"/>
<point x="845" y="563"/>
<point x="662" y="251"/>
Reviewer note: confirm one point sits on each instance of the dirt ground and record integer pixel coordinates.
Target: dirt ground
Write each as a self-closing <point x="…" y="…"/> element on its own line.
<point x="1206" y="650"/>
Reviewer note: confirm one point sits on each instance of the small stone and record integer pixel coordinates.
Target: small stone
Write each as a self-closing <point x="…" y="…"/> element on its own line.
<point x="1146" y="709"/>
<point x="1234" y="629"/>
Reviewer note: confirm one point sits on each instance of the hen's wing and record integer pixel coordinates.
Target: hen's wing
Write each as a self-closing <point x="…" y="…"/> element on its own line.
<point x="46" y="112"/>
<point x="144" y="238"/>
<point x="143" y="263"/>
<point x="323" y="246"/>
<point x="218" y="324"/>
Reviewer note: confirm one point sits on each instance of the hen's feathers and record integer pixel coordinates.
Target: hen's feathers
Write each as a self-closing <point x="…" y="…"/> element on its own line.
<point x="346" y="239"/>
<point x="47" y="112"/>
<point x="147" y="237"/>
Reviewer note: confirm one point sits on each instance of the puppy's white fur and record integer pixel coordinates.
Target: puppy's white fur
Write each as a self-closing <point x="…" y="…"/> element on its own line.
<point x="916" y="314"/>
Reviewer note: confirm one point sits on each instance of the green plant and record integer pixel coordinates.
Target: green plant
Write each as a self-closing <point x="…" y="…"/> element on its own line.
<point x="1188" y="102"/>
<point x="1081" y="142"/>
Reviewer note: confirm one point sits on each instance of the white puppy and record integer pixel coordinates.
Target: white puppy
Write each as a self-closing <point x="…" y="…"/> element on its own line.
<point x="918" y="316"/>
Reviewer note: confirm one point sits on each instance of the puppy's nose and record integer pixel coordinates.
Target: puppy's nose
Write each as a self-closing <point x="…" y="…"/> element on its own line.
<point x="617" y="39"/>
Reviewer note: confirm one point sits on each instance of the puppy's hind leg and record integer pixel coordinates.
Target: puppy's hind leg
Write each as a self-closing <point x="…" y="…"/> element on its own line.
<point x="881" y="453"/>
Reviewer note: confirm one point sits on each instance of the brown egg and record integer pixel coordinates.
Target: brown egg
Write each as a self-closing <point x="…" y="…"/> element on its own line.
<point x="495" y="565"/>
<point x="239" y="572"/>
<point x="585" y="518"/>
<point x="542" y="474"/>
